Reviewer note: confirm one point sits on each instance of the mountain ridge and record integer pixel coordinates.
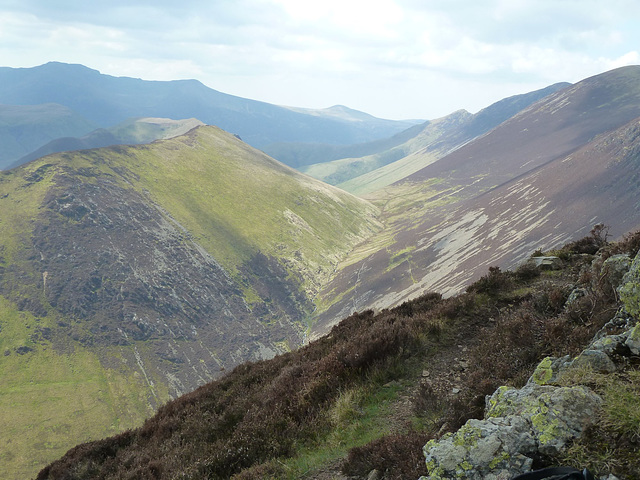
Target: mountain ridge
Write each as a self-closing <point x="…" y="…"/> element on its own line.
<point x="106" y="100"/>
<point x="434" y="225"/>
<point x="157" y="267"/>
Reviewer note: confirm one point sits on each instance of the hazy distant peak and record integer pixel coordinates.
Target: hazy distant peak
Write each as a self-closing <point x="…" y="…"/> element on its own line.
<point x="340" y="112"/>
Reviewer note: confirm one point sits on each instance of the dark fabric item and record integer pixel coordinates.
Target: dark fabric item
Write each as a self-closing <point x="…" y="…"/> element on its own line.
<point x="556" y="473"/>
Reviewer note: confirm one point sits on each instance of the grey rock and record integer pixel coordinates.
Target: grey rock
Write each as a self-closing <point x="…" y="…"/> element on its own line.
<point x="374" y="475"/>
<point x="546" y="263"/>
<point x="614" y="269"/>
<point x="629" y="289"/>
<point x="597" y="360"/>
<point x="633" y="340"/>
<point x="518" y="424"/>
<point x="575" y="294"/>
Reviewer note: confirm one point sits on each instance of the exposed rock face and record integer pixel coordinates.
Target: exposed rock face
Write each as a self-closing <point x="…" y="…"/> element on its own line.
<point x="138" y="276"/>
<point x="518" y="424"/>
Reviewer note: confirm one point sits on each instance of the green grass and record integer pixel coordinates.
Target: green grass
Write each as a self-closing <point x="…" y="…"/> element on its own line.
<point x="230" y="198"/>
<point x="610" y="445"/>
<point x="235" y="201"/>
<point x="359" y="416"/>
<point x="50" y="401"/>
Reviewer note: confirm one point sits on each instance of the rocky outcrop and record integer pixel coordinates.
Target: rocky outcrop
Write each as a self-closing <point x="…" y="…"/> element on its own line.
<point x="629" y="290"/>
<point x="519" y="424"/>
<point x="542" y="417"/>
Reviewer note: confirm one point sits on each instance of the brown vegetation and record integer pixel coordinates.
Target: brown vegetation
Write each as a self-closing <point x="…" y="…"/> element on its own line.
<point x="243" y="425"/>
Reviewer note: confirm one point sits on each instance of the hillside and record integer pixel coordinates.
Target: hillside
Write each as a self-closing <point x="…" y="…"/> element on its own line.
<point x="363" y="400"/>
<point x="391" y="163"/>
<point x="106" y="101"/>
<point x="131" y="132"/>
<point x="135" y="274"/>
<point x="541" y="178"/>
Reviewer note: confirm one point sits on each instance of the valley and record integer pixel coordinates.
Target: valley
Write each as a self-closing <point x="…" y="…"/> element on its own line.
<point x="136" y="271"/>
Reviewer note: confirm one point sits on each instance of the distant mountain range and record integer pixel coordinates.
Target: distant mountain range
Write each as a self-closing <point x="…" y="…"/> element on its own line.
<point x="542" y="177"/>
<point x="135" y="273"/>
<point x="358" y="168"/>
<point x="130" y="132"/>
<point x="104" y="101"/>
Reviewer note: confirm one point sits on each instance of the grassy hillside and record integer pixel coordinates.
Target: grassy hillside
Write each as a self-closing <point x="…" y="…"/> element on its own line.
<point x="135" y="274"/>
<point x="351" y="173"/>
<point x="371" y="393"/>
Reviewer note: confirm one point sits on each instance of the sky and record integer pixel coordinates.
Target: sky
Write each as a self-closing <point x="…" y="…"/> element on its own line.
<point x="396" y="59"/>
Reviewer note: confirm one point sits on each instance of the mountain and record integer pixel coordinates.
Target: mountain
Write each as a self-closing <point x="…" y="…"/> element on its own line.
<point x="435" y="140"/>
<point x="130" y="132"/>
<point x="299" y="155"/>
<point x="106" y="101"/>
<point x="23" y="126"/>
<point x="544" y="176"/>
<point x="363" y="401"/>
<point x="132" y="274"/>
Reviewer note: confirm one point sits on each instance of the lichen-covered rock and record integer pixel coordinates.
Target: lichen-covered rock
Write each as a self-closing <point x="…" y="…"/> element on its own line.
<point x="629" y="290"/>
<point x="614" y="269"/>
<point x="482" y="449"/>
<point x="548" y="370"/>
<point x="557" y="414"/>
<point x="575" y="294"/>
<point x="518" y="424"/>
<point x="596" y="360"/>
<point x="633" y="340"/>
<point x="609" y="344"/>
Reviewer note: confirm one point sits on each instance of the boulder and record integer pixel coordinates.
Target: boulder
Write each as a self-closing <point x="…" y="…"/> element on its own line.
<point x="518" y="425"/>
<point x="614" y="269"/>
<point x="556" y="414"/>
<point x="633" y="340"/>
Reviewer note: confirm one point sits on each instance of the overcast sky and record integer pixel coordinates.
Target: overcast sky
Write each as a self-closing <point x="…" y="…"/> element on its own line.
<point x="390" y="58"/>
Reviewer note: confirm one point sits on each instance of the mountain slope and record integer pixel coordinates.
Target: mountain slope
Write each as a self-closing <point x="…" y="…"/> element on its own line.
<point x="23" y="126"/>
<point x="435" y="140"/>
<point x="367" y="397"/>
<point x="135" y="274"/>
<point x="492" y="200"/>
<point x="107" y="100"/>
<point x="130" y="132"/>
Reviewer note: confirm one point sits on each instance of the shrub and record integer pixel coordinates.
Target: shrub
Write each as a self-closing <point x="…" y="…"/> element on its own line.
<point x="397" y="457"/>
<point x="491" y="283"/>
